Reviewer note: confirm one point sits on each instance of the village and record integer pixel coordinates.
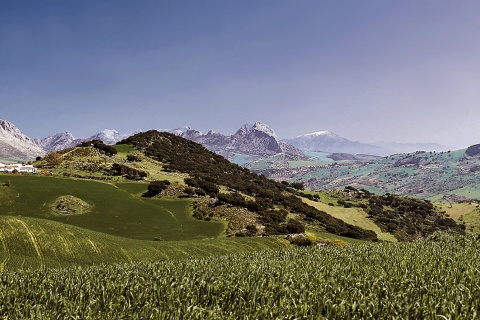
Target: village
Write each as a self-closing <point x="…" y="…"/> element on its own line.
<point x="17" y="167"/>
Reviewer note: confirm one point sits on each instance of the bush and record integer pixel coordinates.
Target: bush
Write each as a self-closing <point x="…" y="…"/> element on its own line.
<point x="294" y="226"/>
<point x="155" y="187"/>
<point x="129" y="173"/>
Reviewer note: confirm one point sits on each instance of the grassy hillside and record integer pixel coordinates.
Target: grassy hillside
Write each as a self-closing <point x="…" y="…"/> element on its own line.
<point x="467" y="214"/>
<point x="31" y="243"/>
<point x="244" y="200"/>
<point x="114" y="210"/>
<point x="227" y="184"/>
<point x="354" y="216"/>
<point x="390" y="217"/>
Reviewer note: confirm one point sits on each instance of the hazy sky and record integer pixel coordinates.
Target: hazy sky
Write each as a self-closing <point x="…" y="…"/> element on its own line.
<point x="405" y="71"/>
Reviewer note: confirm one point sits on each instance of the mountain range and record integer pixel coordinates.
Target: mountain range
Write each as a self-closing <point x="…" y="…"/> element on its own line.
<point x="249" y="143"/>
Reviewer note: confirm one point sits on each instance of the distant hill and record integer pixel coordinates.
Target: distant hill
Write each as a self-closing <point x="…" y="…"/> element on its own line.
<point x="15" y="145"/>
<point x="452" y="175"/>
<point x="398" y="147"/>
<point x="326" y="141"/>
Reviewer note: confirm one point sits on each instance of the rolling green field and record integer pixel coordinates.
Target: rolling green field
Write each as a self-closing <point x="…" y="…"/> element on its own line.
<point x="435" y="279"/>
<point x="32" y="243"/>
<point x="115" y="209"/>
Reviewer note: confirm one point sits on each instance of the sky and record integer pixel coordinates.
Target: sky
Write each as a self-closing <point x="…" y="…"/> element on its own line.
<point x="373" y="70"/>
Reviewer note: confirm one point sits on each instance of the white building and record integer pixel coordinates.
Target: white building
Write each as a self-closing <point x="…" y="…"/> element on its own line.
<point x="17" y="166"/>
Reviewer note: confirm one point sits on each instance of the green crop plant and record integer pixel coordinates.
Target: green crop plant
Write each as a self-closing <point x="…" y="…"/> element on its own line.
<point x="435" y="279"/>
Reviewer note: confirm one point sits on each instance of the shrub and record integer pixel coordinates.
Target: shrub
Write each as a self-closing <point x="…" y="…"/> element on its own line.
<point x="155" y="187"/>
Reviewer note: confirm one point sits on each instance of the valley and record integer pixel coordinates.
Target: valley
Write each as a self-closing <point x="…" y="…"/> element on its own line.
<point x="446" y="176"/>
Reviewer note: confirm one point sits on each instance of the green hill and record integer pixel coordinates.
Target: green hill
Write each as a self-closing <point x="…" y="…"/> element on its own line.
<point x="391" y="217"/>
<point x="228" y="184"/>
<point x="32" y="243"/>
<point x="113" y="210"/>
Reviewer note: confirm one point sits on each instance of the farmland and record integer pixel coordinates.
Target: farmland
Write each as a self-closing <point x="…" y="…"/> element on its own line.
<point x="431" y="279"/>
<point x="32" y="243"/>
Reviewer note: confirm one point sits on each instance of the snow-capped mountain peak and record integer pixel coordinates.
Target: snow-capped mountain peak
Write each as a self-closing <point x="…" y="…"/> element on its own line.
<point x="317" y="134"/>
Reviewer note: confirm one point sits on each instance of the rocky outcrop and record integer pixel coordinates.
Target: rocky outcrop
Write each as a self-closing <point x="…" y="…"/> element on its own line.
<point x="58" y="142"/>
<point x="14" y="145"/>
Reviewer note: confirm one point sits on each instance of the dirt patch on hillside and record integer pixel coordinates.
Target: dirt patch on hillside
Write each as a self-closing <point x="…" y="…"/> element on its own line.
<point x="70" y="205"/>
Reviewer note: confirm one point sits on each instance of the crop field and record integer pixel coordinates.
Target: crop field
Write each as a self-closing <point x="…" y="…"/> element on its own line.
<point x="435" y="279"/>
<point x="31" y="243"/>
<point x="114" y="209"/>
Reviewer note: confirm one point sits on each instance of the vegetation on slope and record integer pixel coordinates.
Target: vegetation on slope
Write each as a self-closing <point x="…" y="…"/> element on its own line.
<point x="112" y="208"/>
<point x="403" y="217"/>
<point x="207" y="171"/>
<point x="410" y="280"/>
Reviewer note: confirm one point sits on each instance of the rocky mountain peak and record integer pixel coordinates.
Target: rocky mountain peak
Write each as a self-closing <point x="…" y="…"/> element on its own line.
<point x="15" y="145"/>
<point x="58" y="141"/>
<point x="262" y="127"/>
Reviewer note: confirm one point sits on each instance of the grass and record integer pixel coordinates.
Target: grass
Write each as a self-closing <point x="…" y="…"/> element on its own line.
<point x="123" y="149"/>
<point x="115" y="209"/>
<point x="467" y="213"/>
<point x="353" y="216"/>
<point x="31" y="243"/>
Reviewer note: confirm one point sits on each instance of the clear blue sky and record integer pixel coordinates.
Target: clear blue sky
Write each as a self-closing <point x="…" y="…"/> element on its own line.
<point x="405" y="71"/>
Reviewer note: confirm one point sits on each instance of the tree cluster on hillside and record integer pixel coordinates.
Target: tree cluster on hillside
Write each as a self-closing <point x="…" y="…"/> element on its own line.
<point x="208" y="171"/>
<point x="98" y="144"/>
<point x="473" y="150"/>
<point x="126" y="171"/>
<point x="405" y="217"/>
<point x="155" y="187"/>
